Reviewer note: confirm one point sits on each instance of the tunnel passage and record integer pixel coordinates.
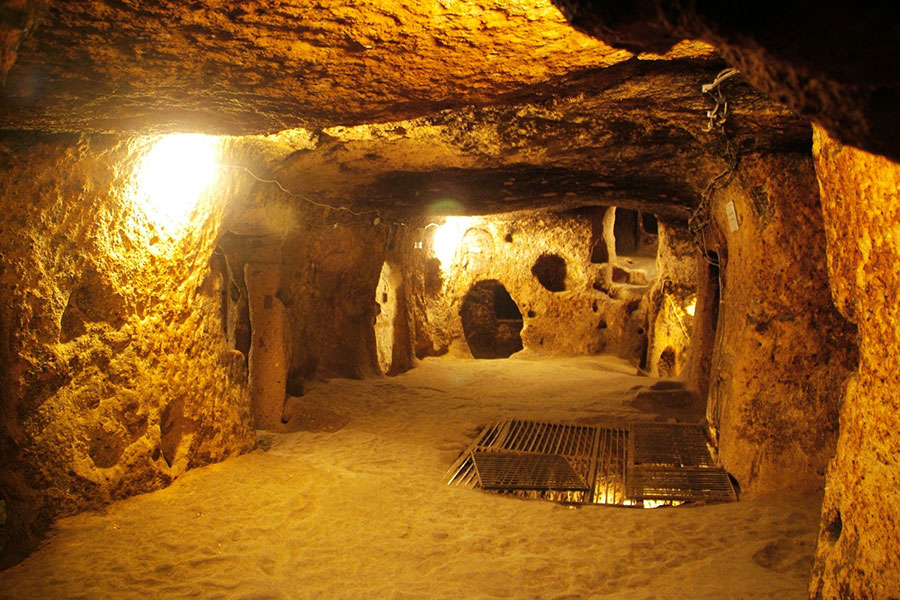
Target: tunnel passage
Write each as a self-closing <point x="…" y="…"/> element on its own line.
<point x="491" y="320"/>
<point x="635" y="233"/>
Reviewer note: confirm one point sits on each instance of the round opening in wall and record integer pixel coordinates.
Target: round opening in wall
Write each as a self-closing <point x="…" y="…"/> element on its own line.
<point x="550" y="270"/>
<point x="491" y="320"/>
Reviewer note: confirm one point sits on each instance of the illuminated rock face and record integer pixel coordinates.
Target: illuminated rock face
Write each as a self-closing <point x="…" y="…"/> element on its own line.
<point x="114" y="372"/>
<point x="670" y="322"/>
<point x="859" y="540"/>
<point x="263" y="67"/>
<point x="123" y="358"/>
<point x="781" y="360"/>
<point x="566" y="303"/>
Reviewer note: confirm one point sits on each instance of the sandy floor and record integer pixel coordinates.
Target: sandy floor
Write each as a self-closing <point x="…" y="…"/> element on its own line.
<point x="361" y="512"/>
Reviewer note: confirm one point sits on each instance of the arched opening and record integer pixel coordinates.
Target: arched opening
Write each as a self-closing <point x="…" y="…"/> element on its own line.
<point x="386" y="300"/>
<point x="649" y="224"/>
<point x="491" y="320"/>
<point x="476" y="249"/>
<point x="627" y="233"/>
<point x="636" y="242"/>
<point x="550" y="270"/>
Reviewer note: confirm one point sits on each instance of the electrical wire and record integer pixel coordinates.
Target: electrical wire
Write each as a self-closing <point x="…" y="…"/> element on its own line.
<point x="700" y="221"/>
<point x="701" y="227"/>
<point x="377" y="221"/>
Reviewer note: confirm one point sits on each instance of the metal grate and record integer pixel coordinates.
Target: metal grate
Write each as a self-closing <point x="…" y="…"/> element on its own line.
<point x="612" y="459"/>
<point x="520" y="441"/>
<point x="686" y="483"/>
<point x="670" y="444"/>
<point x="610" y="464"/>
<point x="544" y="472"/>
<point x="672" y="462"/>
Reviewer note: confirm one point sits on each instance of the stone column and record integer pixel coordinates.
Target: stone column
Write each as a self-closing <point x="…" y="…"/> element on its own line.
<point x="269" y="359"/>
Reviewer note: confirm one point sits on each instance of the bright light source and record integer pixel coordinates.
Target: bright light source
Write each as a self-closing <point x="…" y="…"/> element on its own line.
<point x="173" y="174"/>
<point x="446" y="240"/>
<point x="690" y="308"/>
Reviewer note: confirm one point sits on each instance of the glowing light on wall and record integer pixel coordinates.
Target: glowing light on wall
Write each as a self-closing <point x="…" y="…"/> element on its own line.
<point x="690" y="308"/>
<point x="173" y="174"/>
<point x="446" y="240"/>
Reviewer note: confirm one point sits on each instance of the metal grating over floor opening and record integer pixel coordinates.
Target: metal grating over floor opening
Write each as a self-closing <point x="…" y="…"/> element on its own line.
<point x="547" y="472"/>
<point x="672" y="462"/>
<point x="668" y="444"/>
<point x="638" y="464"/>
<point x="528" y="443"/>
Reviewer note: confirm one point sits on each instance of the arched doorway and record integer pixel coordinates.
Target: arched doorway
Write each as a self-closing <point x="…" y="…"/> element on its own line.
<point x="491" y="321"/>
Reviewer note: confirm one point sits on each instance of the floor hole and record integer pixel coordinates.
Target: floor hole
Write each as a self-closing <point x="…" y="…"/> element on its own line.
<point x="637" y="464"/>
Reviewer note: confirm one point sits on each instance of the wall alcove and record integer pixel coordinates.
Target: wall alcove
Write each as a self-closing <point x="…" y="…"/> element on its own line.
<point x="491" y="321"/>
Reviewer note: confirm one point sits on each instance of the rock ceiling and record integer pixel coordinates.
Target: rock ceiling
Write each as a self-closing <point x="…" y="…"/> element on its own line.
<point x="263" y="65"/>
<point x="495" y="104"/>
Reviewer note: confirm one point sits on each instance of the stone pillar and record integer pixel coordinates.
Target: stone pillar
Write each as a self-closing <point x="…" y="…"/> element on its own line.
<point x="269" y="360"/>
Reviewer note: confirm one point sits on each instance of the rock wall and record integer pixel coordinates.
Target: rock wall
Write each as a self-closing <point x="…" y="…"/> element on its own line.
<point x="329" y="279"/>
<point x="673" y="297"/>
<point x="303" y="292"/>
<point x="114" y="371"/>
<point x="568" y="304"/>
<point x="17" y="20"/>
<point x="785" y="351"/>
<point x="859" y="541"/>
<point x="305" y="286"/>
<point x="170" y="66"/>
<point x="844" y="83"/>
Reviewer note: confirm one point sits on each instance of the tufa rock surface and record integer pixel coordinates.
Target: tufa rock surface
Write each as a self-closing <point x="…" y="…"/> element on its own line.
<point x="114" y="372"/>
<point x="561" y="301"/>
<point x="671" y="325"/>
<point x="783" y="350"/>
<point x="835" y="65"/>
<point x="259" y="66"/>
<point x="638" y="143"/>
<point x="859" y="540"/>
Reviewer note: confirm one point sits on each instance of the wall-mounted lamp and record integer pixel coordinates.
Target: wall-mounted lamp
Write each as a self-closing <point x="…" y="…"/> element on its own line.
<point x="173" y="174"/>
<point x="446" y="240"/>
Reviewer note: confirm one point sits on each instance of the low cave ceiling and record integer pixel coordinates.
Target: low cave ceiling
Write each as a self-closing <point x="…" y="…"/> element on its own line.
<point x="261" y="66"/>
<point x="397" y="104"/>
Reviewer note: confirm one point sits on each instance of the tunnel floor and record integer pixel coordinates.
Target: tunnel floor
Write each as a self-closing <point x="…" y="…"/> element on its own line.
<point x="353" y="504"/>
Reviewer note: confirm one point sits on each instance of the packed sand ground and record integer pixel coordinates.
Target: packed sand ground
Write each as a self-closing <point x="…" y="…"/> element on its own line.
<point x="352" y="505"/>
